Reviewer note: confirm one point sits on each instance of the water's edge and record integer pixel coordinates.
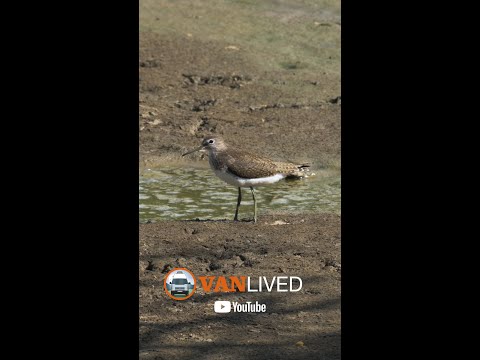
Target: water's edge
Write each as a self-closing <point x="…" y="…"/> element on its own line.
<point x="189" y="193"/>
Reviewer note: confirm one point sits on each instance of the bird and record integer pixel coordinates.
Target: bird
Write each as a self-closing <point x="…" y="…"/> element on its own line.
<point x="241" y="168"/>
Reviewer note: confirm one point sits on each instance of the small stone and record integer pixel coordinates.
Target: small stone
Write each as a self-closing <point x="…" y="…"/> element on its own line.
<point x="279" y="222"/>
<point x="214" y="266"/>
<point x="191" y="231"/>
<point x="156" y="122"/>
<point x="248" y="263"/>
<point x="337" y="100"/>
<point x="151" y="266"/>
<point x="166" y="268"/>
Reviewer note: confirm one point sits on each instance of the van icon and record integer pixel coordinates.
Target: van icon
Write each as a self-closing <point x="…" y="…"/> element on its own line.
<point x="179" y="284"/>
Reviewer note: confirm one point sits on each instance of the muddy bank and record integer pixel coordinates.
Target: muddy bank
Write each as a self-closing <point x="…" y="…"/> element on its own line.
<point x="305" y="246"/>
<point x="266" y="76"/>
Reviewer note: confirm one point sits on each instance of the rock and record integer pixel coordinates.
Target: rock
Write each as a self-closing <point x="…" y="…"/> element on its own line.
<point x="166" y="268"/>
<point x="248" y="263"/>
<point x="155" y="122"/>
<point x="214" y="266"/>
<point x="191" y="231"/>
<point x="279" y="222"/>
<point x="151" y="266"/>
<point x="337" y="100"/>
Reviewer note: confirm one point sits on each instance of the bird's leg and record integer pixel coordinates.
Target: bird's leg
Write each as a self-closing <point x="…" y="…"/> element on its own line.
<point x="254" y="205"/>
<point x="239" y="200"/>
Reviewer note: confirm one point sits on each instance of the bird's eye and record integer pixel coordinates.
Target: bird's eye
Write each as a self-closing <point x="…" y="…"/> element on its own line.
<point x="211" y="141"/>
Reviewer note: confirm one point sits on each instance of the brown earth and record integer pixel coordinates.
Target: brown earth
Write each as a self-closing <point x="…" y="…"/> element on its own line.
<point x="303" y="246"/>
<point x="266" y="77"/>
<point x="183" y="100"/>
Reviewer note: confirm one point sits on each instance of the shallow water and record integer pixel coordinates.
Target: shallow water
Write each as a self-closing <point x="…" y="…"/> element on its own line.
<point x="187" y="193"/>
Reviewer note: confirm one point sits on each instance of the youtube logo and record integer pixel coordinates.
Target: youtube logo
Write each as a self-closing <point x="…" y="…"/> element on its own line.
<point x="222" y="306"/>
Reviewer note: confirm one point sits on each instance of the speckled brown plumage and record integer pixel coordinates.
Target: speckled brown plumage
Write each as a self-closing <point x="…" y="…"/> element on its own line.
<point x="245" y="164"/>
<point x="252" y="166"/>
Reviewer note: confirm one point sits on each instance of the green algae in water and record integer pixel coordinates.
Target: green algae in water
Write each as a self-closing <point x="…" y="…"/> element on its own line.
<point x="190" y="193"/>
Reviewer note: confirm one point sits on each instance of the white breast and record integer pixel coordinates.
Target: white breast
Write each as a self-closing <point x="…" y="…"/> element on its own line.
<point x="234" y="180"/>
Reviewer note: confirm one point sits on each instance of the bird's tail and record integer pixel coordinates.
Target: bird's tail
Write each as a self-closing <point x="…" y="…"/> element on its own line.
<point x="294" y="171"/>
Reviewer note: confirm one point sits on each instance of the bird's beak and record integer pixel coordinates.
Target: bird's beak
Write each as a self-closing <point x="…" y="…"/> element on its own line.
<point x="197" y="149"/>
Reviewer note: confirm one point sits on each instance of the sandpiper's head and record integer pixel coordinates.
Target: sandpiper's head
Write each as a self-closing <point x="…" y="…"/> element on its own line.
<point x="210" y="143"/>
<point x="213" y="143"/>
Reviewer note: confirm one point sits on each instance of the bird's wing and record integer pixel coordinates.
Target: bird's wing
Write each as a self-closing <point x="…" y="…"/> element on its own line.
<point x="247" y="165"/>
